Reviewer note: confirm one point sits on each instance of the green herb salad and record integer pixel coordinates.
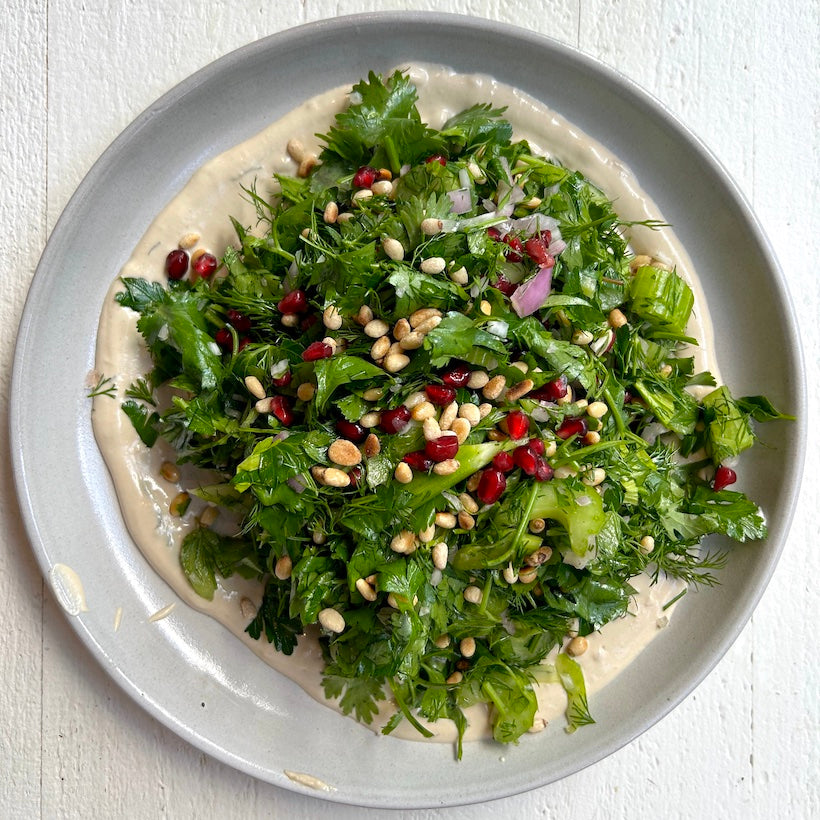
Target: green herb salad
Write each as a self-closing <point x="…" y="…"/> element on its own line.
<point x="450" y="410"/>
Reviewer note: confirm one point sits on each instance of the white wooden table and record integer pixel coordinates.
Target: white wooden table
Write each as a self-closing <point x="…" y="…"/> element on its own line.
<point x="743" y="75"/>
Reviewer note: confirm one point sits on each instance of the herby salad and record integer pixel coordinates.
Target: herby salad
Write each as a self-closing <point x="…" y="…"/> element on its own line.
<point x="448" y="409"/>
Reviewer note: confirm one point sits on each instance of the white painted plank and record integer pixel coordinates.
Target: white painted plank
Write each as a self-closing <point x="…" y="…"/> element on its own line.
<point x="22" y="215"/>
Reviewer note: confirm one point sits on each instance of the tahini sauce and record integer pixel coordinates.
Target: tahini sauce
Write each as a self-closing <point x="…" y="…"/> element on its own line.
<point x="203" y="207"/>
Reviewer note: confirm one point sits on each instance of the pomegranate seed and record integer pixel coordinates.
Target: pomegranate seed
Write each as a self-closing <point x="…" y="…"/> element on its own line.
<point x="442" y="448"/>
<point x="284" y="380"/>
<point x="280" y="407"/>
<point x="244" y="342"/>
<point x="515" y="253"/>
<point x="317" y="350"/>
<point x="176" y="264"/>
<point x="517" y="424"/>
<point x="490" y="486"/>
<point x="504" y="462"/>
<point x="551" y="391"/>
<point x="419" y="460"/>
<point x="571" y="427"/>
<point x="393" y="421"/>
<point x="724" y="476"/>
<point x="365" y="177"/>
<point x="440" y="394"/>
<point x="457" y="376"/>
<point x="241" y="322"/>
<point x="293" y="302"/>
<point x="504" y="285"/>
<point x="494" y="234"/>
<point x="525" y="459"/>
<point x="543" y="471"/>
<point x="355" y="475"/>
<point x="204" y="265"/>
<point x="308" y="322"/>
<point x="439" y="158"/>
<point x="537" y="251"/>
<point x="351" y="430"/>
<point x="537" y="446"/>
<point x="224" y="339"/>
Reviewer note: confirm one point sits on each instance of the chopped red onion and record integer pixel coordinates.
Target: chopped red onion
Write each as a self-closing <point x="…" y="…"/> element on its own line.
<point x="533" y="293"/>
<point x="556" y="246"/>
<point x="296" y="484"/>
<point x="461" y="200"/>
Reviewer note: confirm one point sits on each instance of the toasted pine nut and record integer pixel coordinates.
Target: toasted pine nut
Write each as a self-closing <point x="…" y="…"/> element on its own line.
<point x="647" y="544"/>
<point x="472" y="594"/>
<point x="431" y="429"/>
<point x="380" y="348"/>
<point x="344" y="453"/>
<point x="485" y="307"/>
<point x="373" y="394"/>
<point x="283" y="568"/>
<point x="460" y="276"/>
<point x="364" y="315"/>
<point x="305" y="391"/>
<point x="336" y="478"/>
<point x="428" y="324"/>
<point x="494" y="387"/>
<point x="592" y="478"/>
<point x="616" y="318"/>
<point x="431" y="226"/>
<point x="318" y="472"/>
<point x="382" y="188"/>
<point x="415" y="399"/>
<point x="477" y="380"/>
<point x="473" y="482"/>
<point x="582" y="337"/>
<point x="208" y="515"/>
<point x="345" y="217"/>
<point x="496" y="435"/>
<point x="540" y="556"/>
<point x="448" y="415"/>
<point x="318" y="537"/>
<point x="423" y="410"/>
<point x="376" y="328"/>
<point x="445" y="520"/>
<point x="247" y="607"/>
<point x="522" y="366"/>
<point x="365" y="590"/>
<point x="306" y="166"/>
<point x="440" y="554"/>
<point x="394" y="362"/>
<point x="189" y="240"/>
<point x="565" y="471"/>
<point x="455" y="678"/>
<point x="290" y="320"/>
<point x="639" y="261"/>
<point x="467" y="647"/>
<point x="527" y="575"/>
<point x="403" y="473"/>
<point x="179" y="504"/>
<point x="433" y="265"/>
<point x="598" y="409"/>
<point x="401" y="329"/>
<point x="422" y="315"/>
<point x="577" y="646"/>
<point x="331" y="317"/>
<point x="465" y="520"/>
<point x="446" y="467"/>
<point x="592" y="437"/>
<point x="442" y="641"/>
<point x="369" y="420"/>
<point x="566" y="399"/>
<point x="169" y="471"/>
<point x="393" y="248"/>
<point x="372" y="445"/>
<point x="331" y="213"/>
<point x="484" y="409"/>
<point x="518" y="390"/>
<point x="510" y="574"/>
<point x="332" y="620"/>
<point x="469" y="412"/>
<point x="461" y="427"/>
<point x="469" y="503"/>
<point x="411" y="341"/>
<point x="296" y="149"/>
<point x="537" y="525"/>
<point x="404" y="543"/>
<point x="426" y="535"/>
<point x="361" y="195"/>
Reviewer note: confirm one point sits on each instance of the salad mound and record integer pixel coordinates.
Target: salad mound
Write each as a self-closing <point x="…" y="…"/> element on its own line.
<point x="449" y="410"/>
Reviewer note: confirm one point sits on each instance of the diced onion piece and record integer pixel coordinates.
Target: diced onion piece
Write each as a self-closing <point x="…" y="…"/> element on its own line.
<point x="461" y="200"/>
<point x="533" y="293"/>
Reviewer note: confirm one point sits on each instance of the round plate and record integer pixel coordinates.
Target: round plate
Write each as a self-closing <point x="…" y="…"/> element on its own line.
<point x="186" y="669"/>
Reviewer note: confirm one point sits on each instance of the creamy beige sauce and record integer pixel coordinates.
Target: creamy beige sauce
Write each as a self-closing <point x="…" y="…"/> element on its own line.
<point x="202" y="208"/>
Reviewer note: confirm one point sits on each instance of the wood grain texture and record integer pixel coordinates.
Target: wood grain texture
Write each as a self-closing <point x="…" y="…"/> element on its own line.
<point x="743" y="76"/>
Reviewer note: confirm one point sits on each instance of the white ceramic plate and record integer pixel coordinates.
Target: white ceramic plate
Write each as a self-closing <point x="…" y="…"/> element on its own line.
<point x="186" y="669"/>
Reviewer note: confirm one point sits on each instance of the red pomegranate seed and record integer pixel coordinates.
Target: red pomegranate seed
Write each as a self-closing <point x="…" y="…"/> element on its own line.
<point x="504" y="285"/>
<point x="494" y="234"/>
<point x="224" y="339"/>
<point x="293" y="302"/>
<point x="284" y="380"/>
<point x="518" y="424"/>
<point x="724" y="476"/>
<point x="439" y="158"/>
<point x="490" y="486"/>
<point x="543" y="471"/>
<point x="537" y="251"/>
<point x="351" y="430"/>
<point x="365" y="177"/>
<point x="525" y="459"/>
<point x="419" y="460"/>
<point x="244" y="342"/>
<point x="176" y="264"/>
<point x="537" y="446"/>
<point x="317" y="350"/>
<point x="457" y="376"/>
<point x="440" y="394"/>
<point x="241" y="322"/>
<point x="355" y="475"/>
<point x="571" y="427"/>
<point x="504" y="462"/>
<point x="308" y="322"/>
<point x="280" y="407"/>
<point x="393" y="421"/>
<point x="442" y="448"/>
<point x="515" y="253"/>
<point x="204" y="265"/>
<point x="551" y="391"/>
